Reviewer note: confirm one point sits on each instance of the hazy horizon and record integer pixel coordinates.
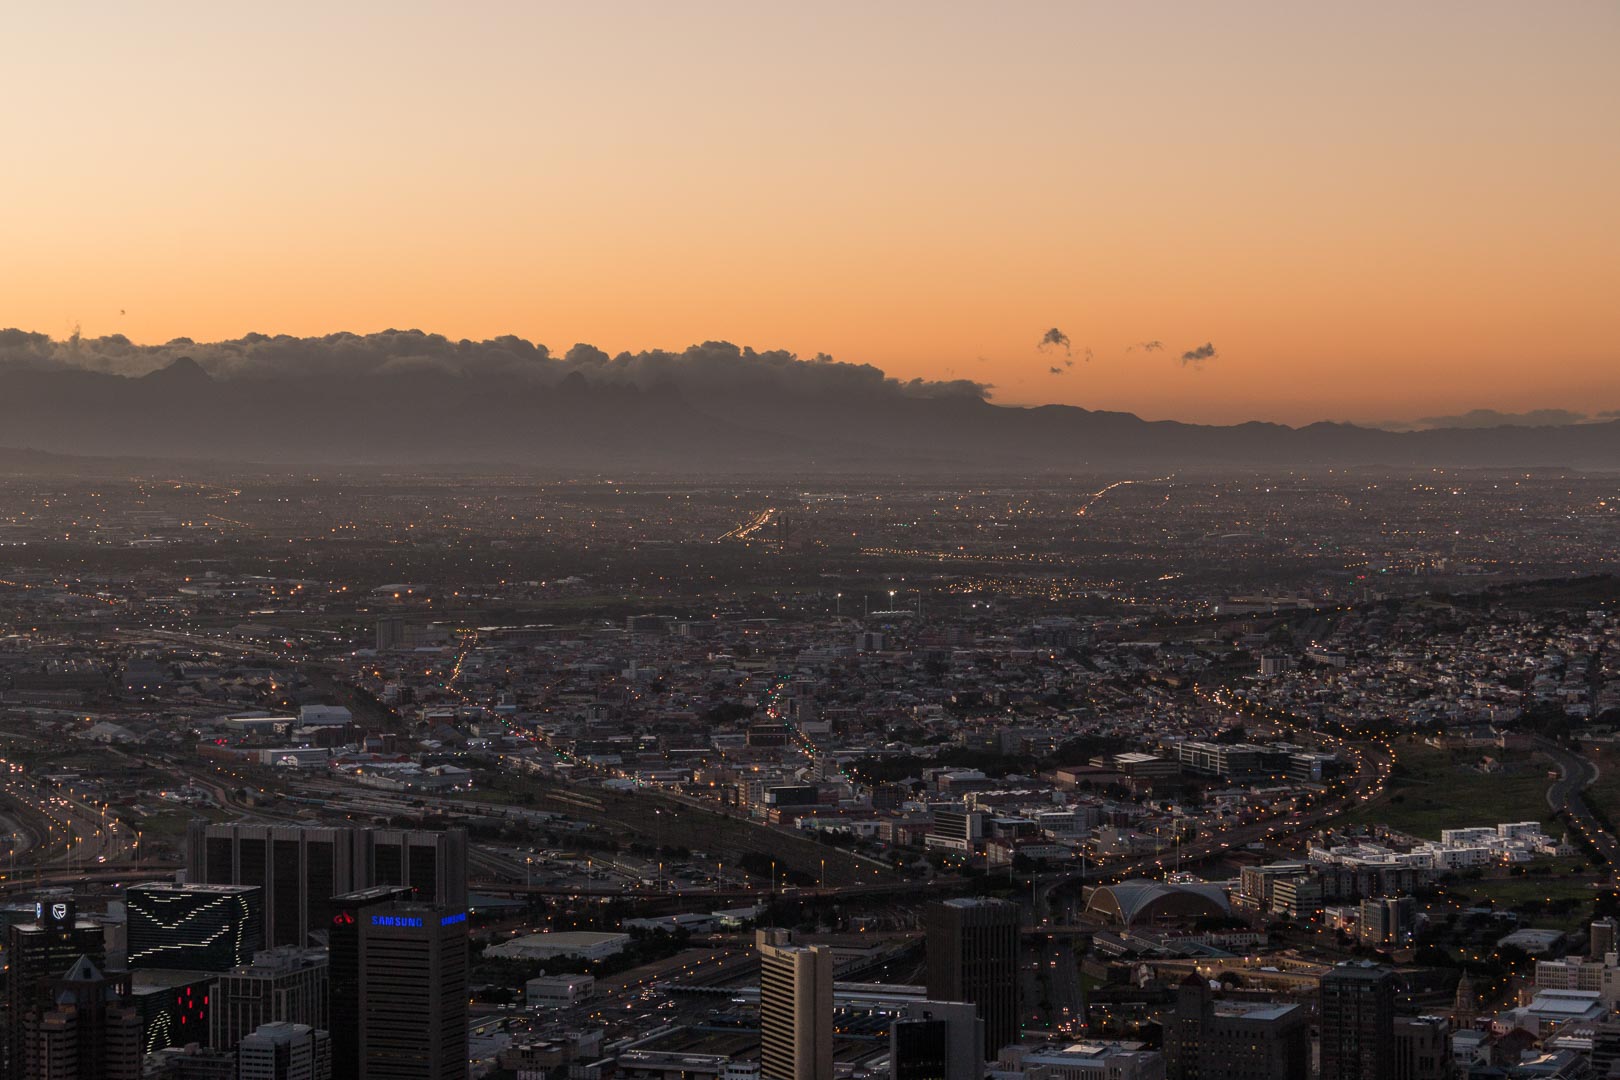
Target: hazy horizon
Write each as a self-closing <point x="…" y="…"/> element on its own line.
<point x="116" y="354"/>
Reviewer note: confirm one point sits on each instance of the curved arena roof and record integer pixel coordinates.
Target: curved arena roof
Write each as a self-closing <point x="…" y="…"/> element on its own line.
<point x="1132" y="902"/>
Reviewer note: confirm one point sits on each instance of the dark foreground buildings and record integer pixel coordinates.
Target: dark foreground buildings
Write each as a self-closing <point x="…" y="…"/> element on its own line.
<point x="84" y="1027"/>
<point x="38" y="952"/>
<point x="398" y="988"/>
<point x="301" y="867"/>
<point x="1358" y="1023"/>
<point x="972" y="946"/>
<point x="1209" y="1040"/>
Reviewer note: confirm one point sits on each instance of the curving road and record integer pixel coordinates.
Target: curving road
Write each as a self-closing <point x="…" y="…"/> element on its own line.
<point x="1567" y="793"/>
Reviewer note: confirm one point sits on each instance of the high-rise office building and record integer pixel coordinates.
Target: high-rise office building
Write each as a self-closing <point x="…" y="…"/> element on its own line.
<point x="795" y="1008"/>
<point x="82" y="1028"/>
<point x="282" y="1051"/>
<point x="300" y="868"/>
<point x="173" y="1006"/>
<point x="936" y="1040"/>
<point x="972" y="952"/>
<point x="432" y="862"/>
<point x="1358" y="1023"/>
<point x="1601" y="938"/>
<point x="349" y="913"/>
<point x="1387" y="920"/>
<point x="1606" y="1047"/>
<point x="285" y="985"/>
<point x="1422" y="1048"/>
<point x="413" y="992"/>
<point x="390" y="633"/>
<point x="193" y="927"/>
<point x="39" y="951"/>
<point x="1205" y="1039"/>
<point x="920" y="1049"/>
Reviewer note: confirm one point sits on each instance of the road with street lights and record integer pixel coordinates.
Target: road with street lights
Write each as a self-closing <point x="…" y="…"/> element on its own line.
<point x="1575" y="775"/>
<point x="54" y="828"/>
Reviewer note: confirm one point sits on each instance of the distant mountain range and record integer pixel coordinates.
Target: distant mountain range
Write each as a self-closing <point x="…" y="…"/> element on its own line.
<point x="678" y="415"/>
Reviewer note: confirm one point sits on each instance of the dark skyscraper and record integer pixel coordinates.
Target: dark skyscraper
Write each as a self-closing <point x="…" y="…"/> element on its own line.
<point x="1422" y="1048"/>
<point x="40" y="951"/>
<point x="83" y="1027"/>
<point x="280" y="986"/>
<point x="301" y="867"/>
<point x="413" y="993"/>
<point x="972" y="948"/>
<point x="936" y="1040"/>
<point x="1601" y="938"/>
<point x="1358" y="1023"/>
<point x="1209" y="1040"/>
<point x="919" y="1049"/>
<point x="349" y="913"/>
<point x="194" y="927"/>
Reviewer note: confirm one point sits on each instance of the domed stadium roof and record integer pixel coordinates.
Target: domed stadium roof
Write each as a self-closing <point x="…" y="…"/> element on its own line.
<point x="1132" y="902"/>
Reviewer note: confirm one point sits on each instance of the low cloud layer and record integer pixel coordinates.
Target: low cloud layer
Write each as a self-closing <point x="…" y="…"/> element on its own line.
<point x="1489" y="418"/>
<point x="712" y="367"/>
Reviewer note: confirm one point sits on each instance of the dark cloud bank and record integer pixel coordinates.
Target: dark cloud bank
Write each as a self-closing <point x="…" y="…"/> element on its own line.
<point x="711" y="367"/>
<point x="405" y="398"/>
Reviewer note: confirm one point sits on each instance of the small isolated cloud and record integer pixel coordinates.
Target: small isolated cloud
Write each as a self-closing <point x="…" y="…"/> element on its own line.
<point x="1053" y="339"/>
<point x="1055" y="370"/>
<point x="1088" y="354"/>
<point x="1146" y="346"/>
<point x="1206" y="351"/>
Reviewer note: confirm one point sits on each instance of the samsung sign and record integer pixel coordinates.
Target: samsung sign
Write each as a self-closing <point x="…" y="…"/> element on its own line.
<point x="395" y="920"/>
<point x="411" y="922"/>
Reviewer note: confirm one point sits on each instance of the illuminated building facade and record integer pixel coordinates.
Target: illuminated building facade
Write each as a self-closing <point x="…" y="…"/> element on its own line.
<point x="194" y="927"/>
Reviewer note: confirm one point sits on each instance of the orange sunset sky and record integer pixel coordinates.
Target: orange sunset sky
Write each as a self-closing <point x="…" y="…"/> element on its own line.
<point x="1374" y="211"/>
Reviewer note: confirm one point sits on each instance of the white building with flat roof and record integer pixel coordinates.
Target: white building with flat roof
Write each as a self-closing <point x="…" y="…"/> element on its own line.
<point x="547" y="946"/>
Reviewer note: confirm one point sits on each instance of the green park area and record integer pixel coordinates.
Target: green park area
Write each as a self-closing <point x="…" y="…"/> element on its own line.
<point x="1433" y="789"/>
<point x="1604" y="794"/>
<point x="1556" y="895"/>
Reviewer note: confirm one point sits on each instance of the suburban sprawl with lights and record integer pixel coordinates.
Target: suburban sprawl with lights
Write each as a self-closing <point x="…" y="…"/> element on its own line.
<point x="1193" y="760"/>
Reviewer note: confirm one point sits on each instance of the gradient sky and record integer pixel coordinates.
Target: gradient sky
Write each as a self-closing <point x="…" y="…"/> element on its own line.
<point x="1373" y="210"/>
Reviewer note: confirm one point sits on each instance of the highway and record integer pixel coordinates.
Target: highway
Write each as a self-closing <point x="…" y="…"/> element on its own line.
<point x="748" y="528"/>
<point x="55" y="828"/>
<point x="1567" y="793"/>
